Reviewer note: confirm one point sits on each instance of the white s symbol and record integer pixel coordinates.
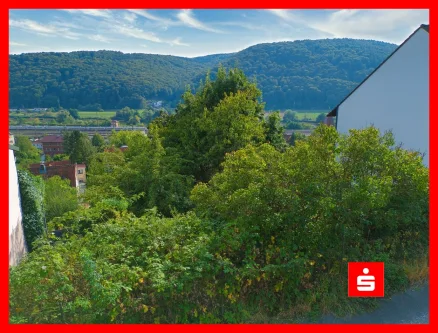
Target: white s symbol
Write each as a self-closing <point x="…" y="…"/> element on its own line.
<point x="366" y="282"/>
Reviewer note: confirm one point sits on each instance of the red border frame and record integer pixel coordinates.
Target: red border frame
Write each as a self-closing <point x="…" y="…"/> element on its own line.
<point x="198" y="4"/>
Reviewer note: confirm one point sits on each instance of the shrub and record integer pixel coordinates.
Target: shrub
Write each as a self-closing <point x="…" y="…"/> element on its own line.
<point x="32" y="196"/>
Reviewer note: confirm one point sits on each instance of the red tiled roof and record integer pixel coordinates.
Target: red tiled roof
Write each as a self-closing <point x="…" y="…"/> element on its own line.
<point x="51" y="138"/>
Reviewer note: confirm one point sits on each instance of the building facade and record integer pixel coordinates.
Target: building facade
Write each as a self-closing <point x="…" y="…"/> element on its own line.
<point x="52" y="144"/>
<point x="395" y="97"/>
<point x="75" y="173"/>
<point x="17" y="243"/>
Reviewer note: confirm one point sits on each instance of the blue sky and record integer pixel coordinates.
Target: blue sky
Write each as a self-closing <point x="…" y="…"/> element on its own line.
<point x="192" y="33"/>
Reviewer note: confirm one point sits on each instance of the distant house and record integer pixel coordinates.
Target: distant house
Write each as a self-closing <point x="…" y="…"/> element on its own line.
<point x="17" y="243"/>
<point x="37" y="144"/>
<point x="39" y="109"/>
<point x="395" y="96"/>
<point x="64" y="169"/>
<point x="114" y="123"/>
<point x="52" y="144"/>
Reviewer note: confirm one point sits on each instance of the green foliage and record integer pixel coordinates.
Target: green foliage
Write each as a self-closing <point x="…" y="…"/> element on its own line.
<point x="78" y="146"/>
<point x="90" y="81"/>
<point x="146" y="169"/>
<point x="289" y="116"/>
<point x="296" y="137"/>
<point x="27" y="153"/>
<point x="224" y="115"/>
<point x="31" y="199"/>
<point x="74" y="113"/>
<point x="151" y="263"/>
<point x="64" y="117"/>
<point x="274" y="131"/>
<point x="299" y="216"/>
<point x="294" y="125"/>
<point x="272" y="231"/>
<point x="321" y="118"/>
<point x="98" y="141"/>
<point x="308" y="74"/>
<point x="59" y="197"/>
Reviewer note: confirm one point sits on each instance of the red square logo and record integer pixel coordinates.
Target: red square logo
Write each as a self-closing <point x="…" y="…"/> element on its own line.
<point x="366" y="279"/>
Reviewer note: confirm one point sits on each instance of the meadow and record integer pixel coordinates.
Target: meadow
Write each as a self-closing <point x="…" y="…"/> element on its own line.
<point x="97" y="114"/>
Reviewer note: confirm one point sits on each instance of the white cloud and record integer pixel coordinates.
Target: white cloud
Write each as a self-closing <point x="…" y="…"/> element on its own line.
<point x="381" y="24"/>
<point x="130" y="17"/>
<point x="146" y="14"/>
<point x="11" y="43"/>
<point x="32" y="26"/>
<point x="99" y="38"/>
<point x="41" y="29"/>
<point x="92" y="12"/>
<point x="186" y="17"/>
<point x="134" y="32"/>
<point x="371" y="23"/>
<point x="178" y="42"/>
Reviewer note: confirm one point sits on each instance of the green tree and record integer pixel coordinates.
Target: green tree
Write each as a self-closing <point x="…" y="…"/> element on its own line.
<point x="321" y="118"/>
<point x="289" y="116"/>
<point x="78" y="146"/>
<point x="275" y="131"/>
<point x="295" y="137"/>
<point x="74" y="113"/>
<point x="98" y="141"/>
<point x="59" y="197"/>
<point x="64" y="117"/>
<point x="222" y="116"/>
<point x="27" y="153"/>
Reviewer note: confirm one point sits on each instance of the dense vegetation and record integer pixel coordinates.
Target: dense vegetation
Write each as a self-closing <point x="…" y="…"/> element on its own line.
<point x="300" y="75"/>
<point x="212" y="218"/>
<point x="310" y="74"/>
<point x="32" y="206"/>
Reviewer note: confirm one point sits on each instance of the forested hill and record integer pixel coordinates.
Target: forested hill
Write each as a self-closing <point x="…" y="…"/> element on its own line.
<point x="310" y="74"/>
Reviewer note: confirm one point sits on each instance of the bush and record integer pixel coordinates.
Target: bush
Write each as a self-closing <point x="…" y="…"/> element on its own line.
<point x="32" y="194"/>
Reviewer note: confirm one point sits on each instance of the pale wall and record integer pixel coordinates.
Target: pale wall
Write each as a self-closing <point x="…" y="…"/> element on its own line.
<point x="395" y="97"/>
<point x="17" y="245"/>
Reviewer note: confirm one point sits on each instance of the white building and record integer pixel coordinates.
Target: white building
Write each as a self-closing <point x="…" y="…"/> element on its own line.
<point x="395" y="96"/>
<point x="37" y="144"/>
<point x="17" y="243"/>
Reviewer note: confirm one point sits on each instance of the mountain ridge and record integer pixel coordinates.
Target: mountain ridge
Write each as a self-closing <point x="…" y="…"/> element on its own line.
<point x="305" y="74"/>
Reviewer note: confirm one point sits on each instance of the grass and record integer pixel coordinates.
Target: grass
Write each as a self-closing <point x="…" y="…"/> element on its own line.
<point x="417" y="271"/>
<point x="97" y="114"/>
<point x="308" y="115"/>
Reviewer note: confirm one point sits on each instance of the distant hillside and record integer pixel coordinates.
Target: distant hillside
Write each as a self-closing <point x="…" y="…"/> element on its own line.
<point x="111" y="79"/>
<point x="310" y="74"/>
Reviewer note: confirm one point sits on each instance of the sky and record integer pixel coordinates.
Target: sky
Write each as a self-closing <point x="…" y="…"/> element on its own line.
<point x="190" y="33"/>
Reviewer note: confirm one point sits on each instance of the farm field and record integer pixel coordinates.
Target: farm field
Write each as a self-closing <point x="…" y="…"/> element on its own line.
<point x="97" y="114"/>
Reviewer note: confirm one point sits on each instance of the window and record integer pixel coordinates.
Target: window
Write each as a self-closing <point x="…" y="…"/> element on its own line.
<point x="80" y="171"/>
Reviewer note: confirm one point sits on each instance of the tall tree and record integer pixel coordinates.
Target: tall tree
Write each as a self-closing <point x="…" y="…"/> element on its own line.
<point x="98" y="141"/>
<point x="78" y="146"/>
<point x="289" y="116"/>
<point x="222" y="116"/>
<point x="275" y="131"/>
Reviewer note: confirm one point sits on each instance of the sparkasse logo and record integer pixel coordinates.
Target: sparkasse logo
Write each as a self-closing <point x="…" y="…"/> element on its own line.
<point x="366" y="279"/>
